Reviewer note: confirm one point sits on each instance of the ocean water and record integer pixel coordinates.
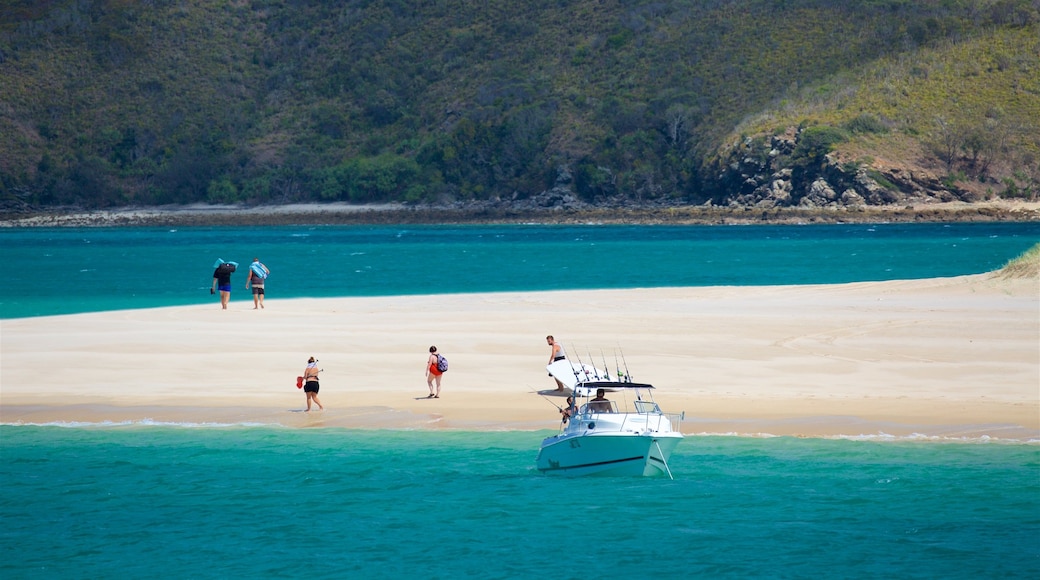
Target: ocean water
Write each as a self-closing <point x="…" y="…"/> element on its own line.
<point x="60" y="271"/>
<point x="142" y="500"/>
<point x="262" y="502"/>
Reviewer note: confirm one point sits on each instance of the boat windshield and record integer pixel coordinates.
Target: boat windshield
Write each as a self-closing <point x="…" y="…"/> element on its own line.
<point x="647" y="408"/>
<point x="598" y="407"/>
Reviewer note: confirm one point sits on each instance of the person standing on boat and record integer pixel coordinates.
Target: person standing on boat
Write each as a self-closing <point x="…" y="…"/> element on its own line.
<point x="556" y="353"/>
<point x="433" y="373"/>
<point x="310" y="388"/>
<point x="257" y="274"/>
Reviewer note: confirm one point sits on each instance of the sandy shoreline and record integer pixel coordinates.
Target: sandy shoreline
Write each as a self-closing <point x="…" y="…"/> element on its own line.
<point x="951" y="357"/>
<point x="332" y="213"/>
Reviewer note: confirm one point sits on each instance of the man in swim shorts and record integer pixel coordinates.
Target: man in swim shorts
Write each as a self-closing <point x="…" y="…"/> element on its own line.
<point x="257" y="274"/>
<point x="222" y="282"/>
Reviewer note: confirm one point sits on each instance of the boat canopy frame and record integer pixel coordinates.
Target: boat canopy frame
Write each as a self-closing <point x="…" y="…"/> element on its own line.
<point x="606" y="385"/>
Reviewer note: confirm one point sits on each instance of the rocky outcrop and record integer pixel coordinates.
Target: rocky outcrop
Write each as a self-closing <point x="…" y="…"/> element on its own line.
<point x="775" y="173"/>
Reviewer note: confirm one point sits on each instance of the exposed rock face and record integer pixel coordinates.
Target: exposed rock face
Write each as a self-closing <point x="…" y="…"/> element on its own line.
<point x="767" y="173"/>
<point x="559" y="196"/>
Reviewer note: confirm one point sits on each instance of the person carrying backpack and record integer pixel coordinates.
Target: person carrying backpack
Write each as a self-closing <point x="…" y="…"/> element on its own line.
<point x="436" y="365"/>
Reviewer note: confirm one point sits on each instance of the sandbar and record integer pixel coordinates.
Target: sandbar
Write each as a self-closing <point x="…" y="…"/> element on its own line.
<point x="949" y="358"/>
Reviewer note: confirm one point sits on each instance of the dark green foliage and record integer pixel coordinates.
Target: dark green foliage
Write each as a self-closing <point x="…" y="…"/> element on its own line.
<point x="880" y="179"/>
<point x="814" y="143"/>
<point x="120" y="101"/>
<point x="369" y="179"/>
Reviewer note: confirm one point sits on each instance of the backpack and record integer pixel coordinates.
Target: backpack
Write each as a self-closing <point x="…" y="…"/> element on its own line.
<point x="442" y="364"/>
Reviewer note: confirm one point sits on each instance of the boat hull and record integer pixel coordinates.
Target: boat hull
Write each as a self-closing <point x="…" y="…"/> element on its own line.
<point x="607" y="453"/>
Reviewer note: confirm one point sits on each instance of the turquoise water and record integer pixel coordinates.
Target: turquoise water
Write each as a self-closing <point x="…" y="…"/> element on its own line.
<point x="238" y="501"/>
<point x="60" y="271"/>
<point x="259" y="502"/>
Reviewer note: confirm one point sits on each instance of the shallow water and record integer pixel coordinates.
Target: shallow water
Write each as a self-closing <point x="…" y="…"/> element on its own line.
<point x="61" y="271"/>
<point x="262" y="502"/>
<point x="138" y="500"/>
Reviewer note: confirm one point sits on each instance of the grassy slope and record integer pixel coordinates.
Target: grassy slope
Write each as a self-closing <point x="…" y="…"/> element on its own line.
<point x="1026" y="265"/>
<point x="245" y="89"/>
<point x="990" y="82"/>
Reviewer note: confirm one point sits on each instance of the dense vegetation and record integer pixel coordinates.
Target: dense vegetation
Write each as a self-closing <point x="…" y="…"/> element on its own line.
<point x="112" y="102"/>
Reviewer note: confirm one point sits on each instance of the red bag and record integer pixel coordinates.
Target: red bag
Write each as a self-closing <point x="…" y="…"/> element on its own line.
<point x="299" y="382"/>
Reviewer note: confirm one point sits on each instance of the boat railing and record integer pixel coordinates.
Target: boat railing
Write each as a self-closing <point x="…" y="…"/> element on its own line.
<point x="676" y="420"/>
<point x="638" y="421"/>
<point x="652" y="421"/>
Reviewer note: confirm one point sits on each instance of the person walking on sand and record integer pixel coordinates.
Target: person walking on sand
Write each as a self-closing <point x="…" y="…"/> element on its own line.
<point x="222" y="281"/>
<point x="310" y="387"/>
<point x="556" y="353"/>
<point x="257" y="274"/>
<point x="434" y="373"/>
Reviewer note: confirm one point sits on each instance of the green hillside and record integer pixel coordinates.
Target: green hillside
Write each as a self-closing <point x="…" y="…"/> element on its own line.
<point x="965" y="111"/>
<point x="113" y="102"/>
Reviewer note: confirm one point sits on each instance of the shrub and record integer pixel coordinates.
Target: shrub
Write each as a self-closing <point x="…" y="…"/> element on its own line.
<point x="816" y="142"/>
<point x="222" y="191"/>
<point x="880" y="179"/>
<point x="865" y="124"/>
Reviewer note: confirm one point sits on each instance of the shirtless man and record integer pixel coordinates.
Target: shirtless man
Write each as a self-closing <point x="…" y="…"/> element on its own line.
<point x="556" y="353"/>
<point x="600" y="404"/>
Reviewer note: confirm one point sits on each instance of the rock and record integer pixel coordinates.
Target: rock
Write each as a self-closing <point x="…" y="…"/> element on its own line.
<point x="780" y="192"/>
<point x="821" y="193"/>
<point x="850" y="198"/>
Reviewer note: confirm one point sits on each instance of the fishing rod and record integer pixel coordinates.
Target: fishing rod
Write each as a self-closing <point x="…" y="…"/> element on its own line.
<point x="606" y="369"/>
<point x="628" y="377"/>
<point x="558" y="408"/>
<point x="577" y="379"/>
<point x="598" y="378"/>
<point x="564" y="416"/>
<point x="585" y="369"/>
<point x="582" y="368"/>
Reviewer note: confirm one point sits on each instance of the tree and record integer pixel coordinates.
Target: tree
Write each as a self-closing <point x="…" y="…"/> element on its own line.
<point x="946" y="142"/>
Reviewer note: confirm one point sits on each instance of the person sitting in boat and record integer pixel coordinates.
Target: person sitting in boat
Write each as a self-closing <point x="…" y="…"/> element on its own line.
<point x="600" y="404"/>
<point x="570" y="410"/>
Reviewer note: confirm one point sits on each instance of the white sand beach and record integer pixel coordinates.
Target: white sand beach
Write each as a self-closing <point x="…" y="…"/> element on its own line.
<point x="950" y="357"/>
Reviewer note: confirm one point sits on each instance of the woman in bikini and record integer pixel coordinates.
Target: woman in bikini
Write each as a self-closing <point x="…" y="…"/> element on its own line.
<point x="310" y="387"/>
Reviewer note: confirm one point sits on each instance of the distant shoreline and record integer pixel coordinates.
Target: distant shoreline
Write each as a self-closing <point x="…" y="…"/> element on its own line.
<point x="380" y="214"/>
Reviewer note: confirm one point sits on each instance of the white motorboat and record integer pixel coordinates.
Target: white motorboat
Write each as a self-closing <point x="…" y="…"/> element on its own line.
<point x="630" y="436"/>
